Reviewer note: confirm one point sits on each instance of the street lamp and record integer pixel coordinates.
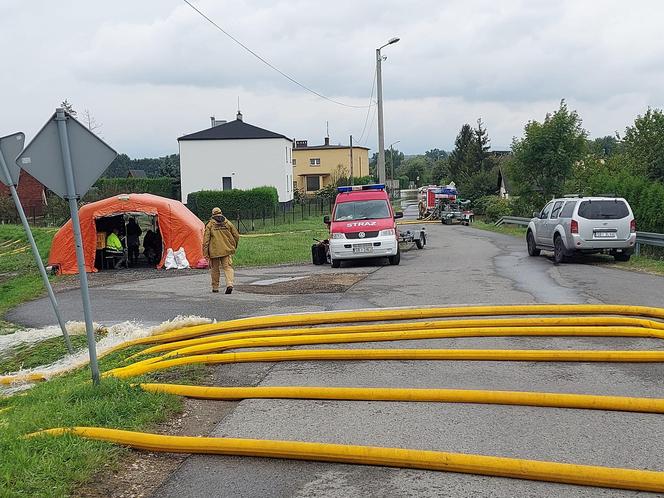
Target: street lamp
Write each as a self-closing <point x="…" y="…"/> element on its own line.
<point x="381" y="137"/>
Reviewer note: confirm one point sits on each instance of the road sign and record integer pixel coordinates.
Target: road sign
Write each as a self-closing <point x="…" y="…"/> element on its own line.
<point x="10" y="147"/>
<point x="43" y="158"/>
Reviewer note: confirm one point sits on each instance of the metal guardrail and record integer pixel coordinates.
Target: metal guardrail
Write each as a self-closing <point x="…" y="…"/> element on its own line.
<point x="642" y="238"/>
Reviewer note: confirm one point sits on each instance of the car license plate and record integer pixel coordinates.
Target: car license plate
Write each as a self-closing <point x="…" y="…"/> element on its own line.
<point x="362" y="248"/>
<point x="605" y="235"/>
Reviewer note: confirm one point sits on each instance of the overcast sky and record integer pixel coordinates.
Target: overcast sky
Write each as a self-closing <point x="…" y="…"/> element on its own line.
<point x="152" y="70"/>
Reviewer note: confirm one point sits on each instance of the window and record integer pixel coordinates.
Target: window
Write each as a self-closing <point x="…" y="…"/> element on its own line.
<point x="603" y="210"/>
<point x="314" y="161"/>
<point x="313" y="183"/>
<point x="545" y="212"/>
<point x="362" y="210"/>
<point x="226" y="183"/>
<point x="294" y="161"/>
<point x="555" y="212"/>
<point x="568" y="209"/>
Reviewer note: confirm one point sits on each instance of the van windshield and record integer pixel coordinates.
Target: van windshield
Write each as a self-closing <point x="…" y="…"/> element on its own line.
<point x="362" y="210"/>
<point x="603" y="210"/>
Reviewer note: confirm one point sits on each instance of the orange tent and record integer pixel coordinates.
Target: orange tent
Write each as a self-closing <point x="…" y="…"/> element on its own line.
<point x="179" y="227"/>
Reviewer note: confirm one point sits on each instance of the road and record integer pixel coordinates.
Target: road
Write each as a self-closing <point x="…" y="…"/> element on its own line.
<point x="460" y="265"/>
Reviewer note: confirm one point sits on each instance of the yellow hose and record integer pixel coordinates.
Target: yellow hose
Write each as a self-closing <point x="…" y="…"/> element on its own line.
<point x="224" y="345"/>
<point x="396" y="314"/>
<point x="13" y="379"/>
<point x="394" y="354"/>
<point x="554" y="400"/>
<point x="585" y="475"/>
<point x="421" y="325"/>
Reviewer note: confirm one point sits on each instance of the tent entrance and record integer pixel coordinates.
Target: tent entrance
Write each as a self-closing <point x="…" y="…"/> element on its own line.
<point x="140" y="242"/>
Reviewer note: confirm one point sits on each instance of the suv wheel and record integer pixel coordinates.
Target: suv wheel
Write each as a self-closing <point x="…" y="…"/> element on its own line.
<point x="396" y="259"/>
<point x="558" y="250"/>
<point x="621" y="256"/>
<point x="336" y="263"/>
<point x="532" y="248"/>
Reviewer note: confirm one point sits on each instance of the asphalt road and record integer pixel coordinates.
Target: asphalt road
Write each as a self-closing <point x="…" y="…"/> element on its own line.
<point x="460" y="265"/>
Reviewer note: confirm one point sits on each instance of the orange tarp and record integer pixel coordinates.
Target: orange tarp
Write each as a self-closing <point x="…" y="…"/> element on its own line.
<point x="179" y="227"/>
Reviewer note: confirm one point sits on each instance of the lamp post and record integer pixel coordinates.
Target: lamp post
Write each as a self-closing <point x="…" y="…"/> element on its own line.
<point x="381" y="138"/>
<point x="392" y="167"/>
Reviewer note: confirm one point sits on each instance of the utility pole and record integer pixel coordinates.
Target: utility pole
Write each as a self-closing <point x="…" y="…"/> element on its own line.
<point x="380" y="167"/>
<point x="351" y="161"/>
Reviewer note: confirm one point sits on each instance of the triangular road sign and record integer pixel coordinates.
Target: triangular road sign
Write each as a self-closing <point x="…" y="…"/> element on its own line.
<point x="90" y="156"/>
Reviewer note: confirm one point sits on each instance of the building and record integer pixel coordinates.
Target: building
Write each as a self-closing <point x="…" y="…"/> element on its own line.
<point x="316" y="166"/>
<point x="31" y="193"/>
<point x="235" y="154"/>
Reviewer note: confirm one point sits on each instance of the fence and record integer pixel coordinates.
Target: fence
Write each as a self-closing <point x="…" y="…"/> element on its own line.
<point x="248" y="221"/>
<point x="642" y="238"/>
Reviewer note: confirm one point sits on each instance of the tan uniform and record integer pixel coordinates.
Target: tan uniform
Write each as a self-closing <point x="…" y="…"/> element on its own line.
<point x="219" y="244"/>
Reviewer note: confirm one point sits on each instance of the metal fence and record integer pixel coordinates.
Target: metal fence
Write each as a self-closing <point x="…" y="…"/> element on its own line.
<point x="642" y="238"/>
<point x="286" y="213"/>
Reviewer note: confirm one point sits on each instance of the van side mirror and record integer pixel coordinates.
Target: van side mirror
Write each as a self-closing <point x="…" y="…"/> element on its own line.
<point x="398" y="214"/>
<point x="326" y="219"/>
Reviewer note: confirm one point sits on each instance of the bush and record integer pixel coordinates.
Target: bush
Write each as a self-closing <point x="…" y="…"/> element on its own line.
<point x="232" y="201"/>
<point x="496" y="207"/>
<point x="108" y="187"/>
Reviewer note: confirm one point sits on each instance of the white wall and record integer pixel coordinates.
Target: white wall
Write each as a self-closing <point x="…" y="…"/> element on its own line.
<point x="250" y="163"/>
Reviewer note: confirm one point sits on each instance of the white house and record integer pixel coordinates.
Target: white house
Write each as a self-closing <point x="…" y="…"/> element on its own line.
<point x="236" y="155"/>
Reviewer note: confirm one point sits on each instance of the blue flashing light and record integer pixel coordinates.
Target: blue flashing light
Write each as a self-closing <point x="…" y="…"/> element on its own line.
<point x="350" y="188"/>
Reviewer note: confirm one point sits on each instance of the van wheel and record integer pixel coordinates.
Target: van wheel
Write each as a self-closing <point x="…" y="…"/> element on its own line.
<point x="558" y="251"/>
<point x="621" y="256"/>
<point x="532" y="248"/>
<point x="394" y="260"/>
<point x="336" y="263"/>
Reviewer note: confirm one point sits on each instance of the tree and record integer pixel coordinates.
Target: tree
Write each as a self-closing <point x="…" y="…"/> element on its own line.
<point x="544" y="158"/>
<point x="459" y="156"/>
<point x="89" y="121"/>
<point x="435" y="155"/>
<point x="415" y="168"/>
<point x="69" y="109"/>
<point x="478" y="157"/>
<point x="644" y="144"/>
<point x="440" y="173"/>
<point x="604" y="146"/>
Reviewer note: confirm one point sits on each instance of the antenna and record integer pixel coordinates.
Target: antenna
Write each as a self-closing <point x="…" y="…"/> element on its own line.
<point x="238" y="103"/>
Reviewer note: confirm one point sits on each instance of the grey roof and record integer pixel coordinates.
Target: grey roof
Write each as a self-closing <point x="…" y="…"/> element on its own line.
<point x="137" y="173"/>
<point x="323" y="147"/>
<point x="233" y="130"/>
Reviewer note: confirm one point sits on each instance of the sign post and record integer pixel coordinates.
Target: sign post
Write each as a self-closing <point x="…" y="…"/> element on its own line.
<point x="11" y="146"/>
<point x="68" y="158"/>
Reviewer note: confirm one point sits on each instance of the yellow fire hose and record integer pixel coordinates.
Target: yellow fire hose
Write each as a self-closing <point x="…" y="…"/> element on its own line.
<point x="422" y="325"/>
<point x="553" y="400"/>
<point x="324" y="317"/>
<point x="394" y="354"/>
<point x="584" y="475"/>
<point x="223" y="345"/>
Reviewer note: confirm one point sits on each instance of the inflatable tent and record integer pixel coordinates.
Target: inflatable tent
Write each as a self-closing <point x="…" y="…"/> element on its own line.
<point x="179" y="227"/>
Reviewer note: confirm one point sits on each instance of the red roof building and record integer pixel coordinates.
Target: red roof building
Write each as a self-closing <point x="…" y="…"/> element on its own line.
<point x="30" y="192"/>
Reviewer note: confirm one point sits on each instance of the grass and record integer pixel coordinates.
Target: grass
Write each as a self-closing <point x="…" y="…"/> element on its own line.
<point x="55" y="466"/>
<point x="515" y="230"/>
<point x="42" y="353"/>
<point x="19" y="277"/>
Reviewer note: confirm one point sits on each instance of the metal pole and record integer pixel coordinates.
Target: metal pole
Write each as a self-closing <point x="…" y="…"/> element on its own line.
<point x="351" y="161"/>
<point x="380" y="167"/>
<point x="35" y="252"/>
<point x="72" y="197"/>
<point x="392" y="171"/>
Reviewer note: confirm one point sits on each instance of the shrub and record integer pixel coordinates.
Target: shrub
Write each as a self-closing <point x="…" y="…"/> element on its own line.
<point x="496" y="207"/>
<point x="232" y="201"/>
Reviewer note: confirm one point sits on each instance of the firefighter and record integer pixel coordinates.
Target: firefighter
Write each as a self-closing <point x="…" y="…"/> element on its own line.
<point x="219" y="244"/>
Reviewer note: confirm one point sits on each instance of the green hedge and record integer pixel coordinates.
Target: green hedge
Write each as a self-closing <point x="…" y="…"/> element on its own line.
<point x="231" y="201"/>
<point x="108" y="187"/>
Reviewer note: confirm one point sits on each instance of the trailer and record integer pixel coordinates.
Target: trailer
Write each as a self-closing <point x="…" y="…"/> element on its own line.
<point x="418" y="237"/>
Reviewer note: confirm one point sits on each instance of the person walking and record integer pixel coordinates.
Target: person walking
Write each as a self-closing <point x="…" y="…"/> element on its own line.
<point x="219" y="244"/>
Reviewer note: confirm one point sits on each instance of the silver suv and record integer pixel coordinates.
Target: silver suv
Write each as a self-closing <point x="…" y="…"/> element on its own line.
<point x="583" y="225"/>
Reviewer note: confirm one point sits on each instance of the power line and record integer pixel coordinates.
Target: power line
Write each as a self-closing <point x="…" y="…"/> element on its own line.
<point x="270" y="65"/>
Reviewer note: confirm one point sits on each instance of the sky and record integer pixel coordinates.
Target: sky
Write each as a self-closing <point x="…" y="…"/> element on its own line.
<point x="150" y="71"/>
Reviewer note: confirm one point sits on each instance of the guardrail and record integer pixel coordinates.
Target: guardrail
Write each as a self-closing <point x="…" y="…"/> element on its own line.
<point x="642" y="238"/>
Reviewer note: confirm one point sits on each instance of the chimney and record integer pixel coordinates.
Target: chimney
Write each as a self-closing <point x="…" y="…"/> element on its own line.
<point x="239" y="115"/>
<point x="327" y="140"/>
<point x="212" y="124"/>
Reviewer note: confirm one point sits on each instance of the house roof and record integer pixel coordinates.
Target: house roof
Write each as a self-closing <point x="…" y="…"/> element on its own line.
<point x="137" y="173"/>
<point x="324" y="147"/>
<point x="233" y="130"/>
